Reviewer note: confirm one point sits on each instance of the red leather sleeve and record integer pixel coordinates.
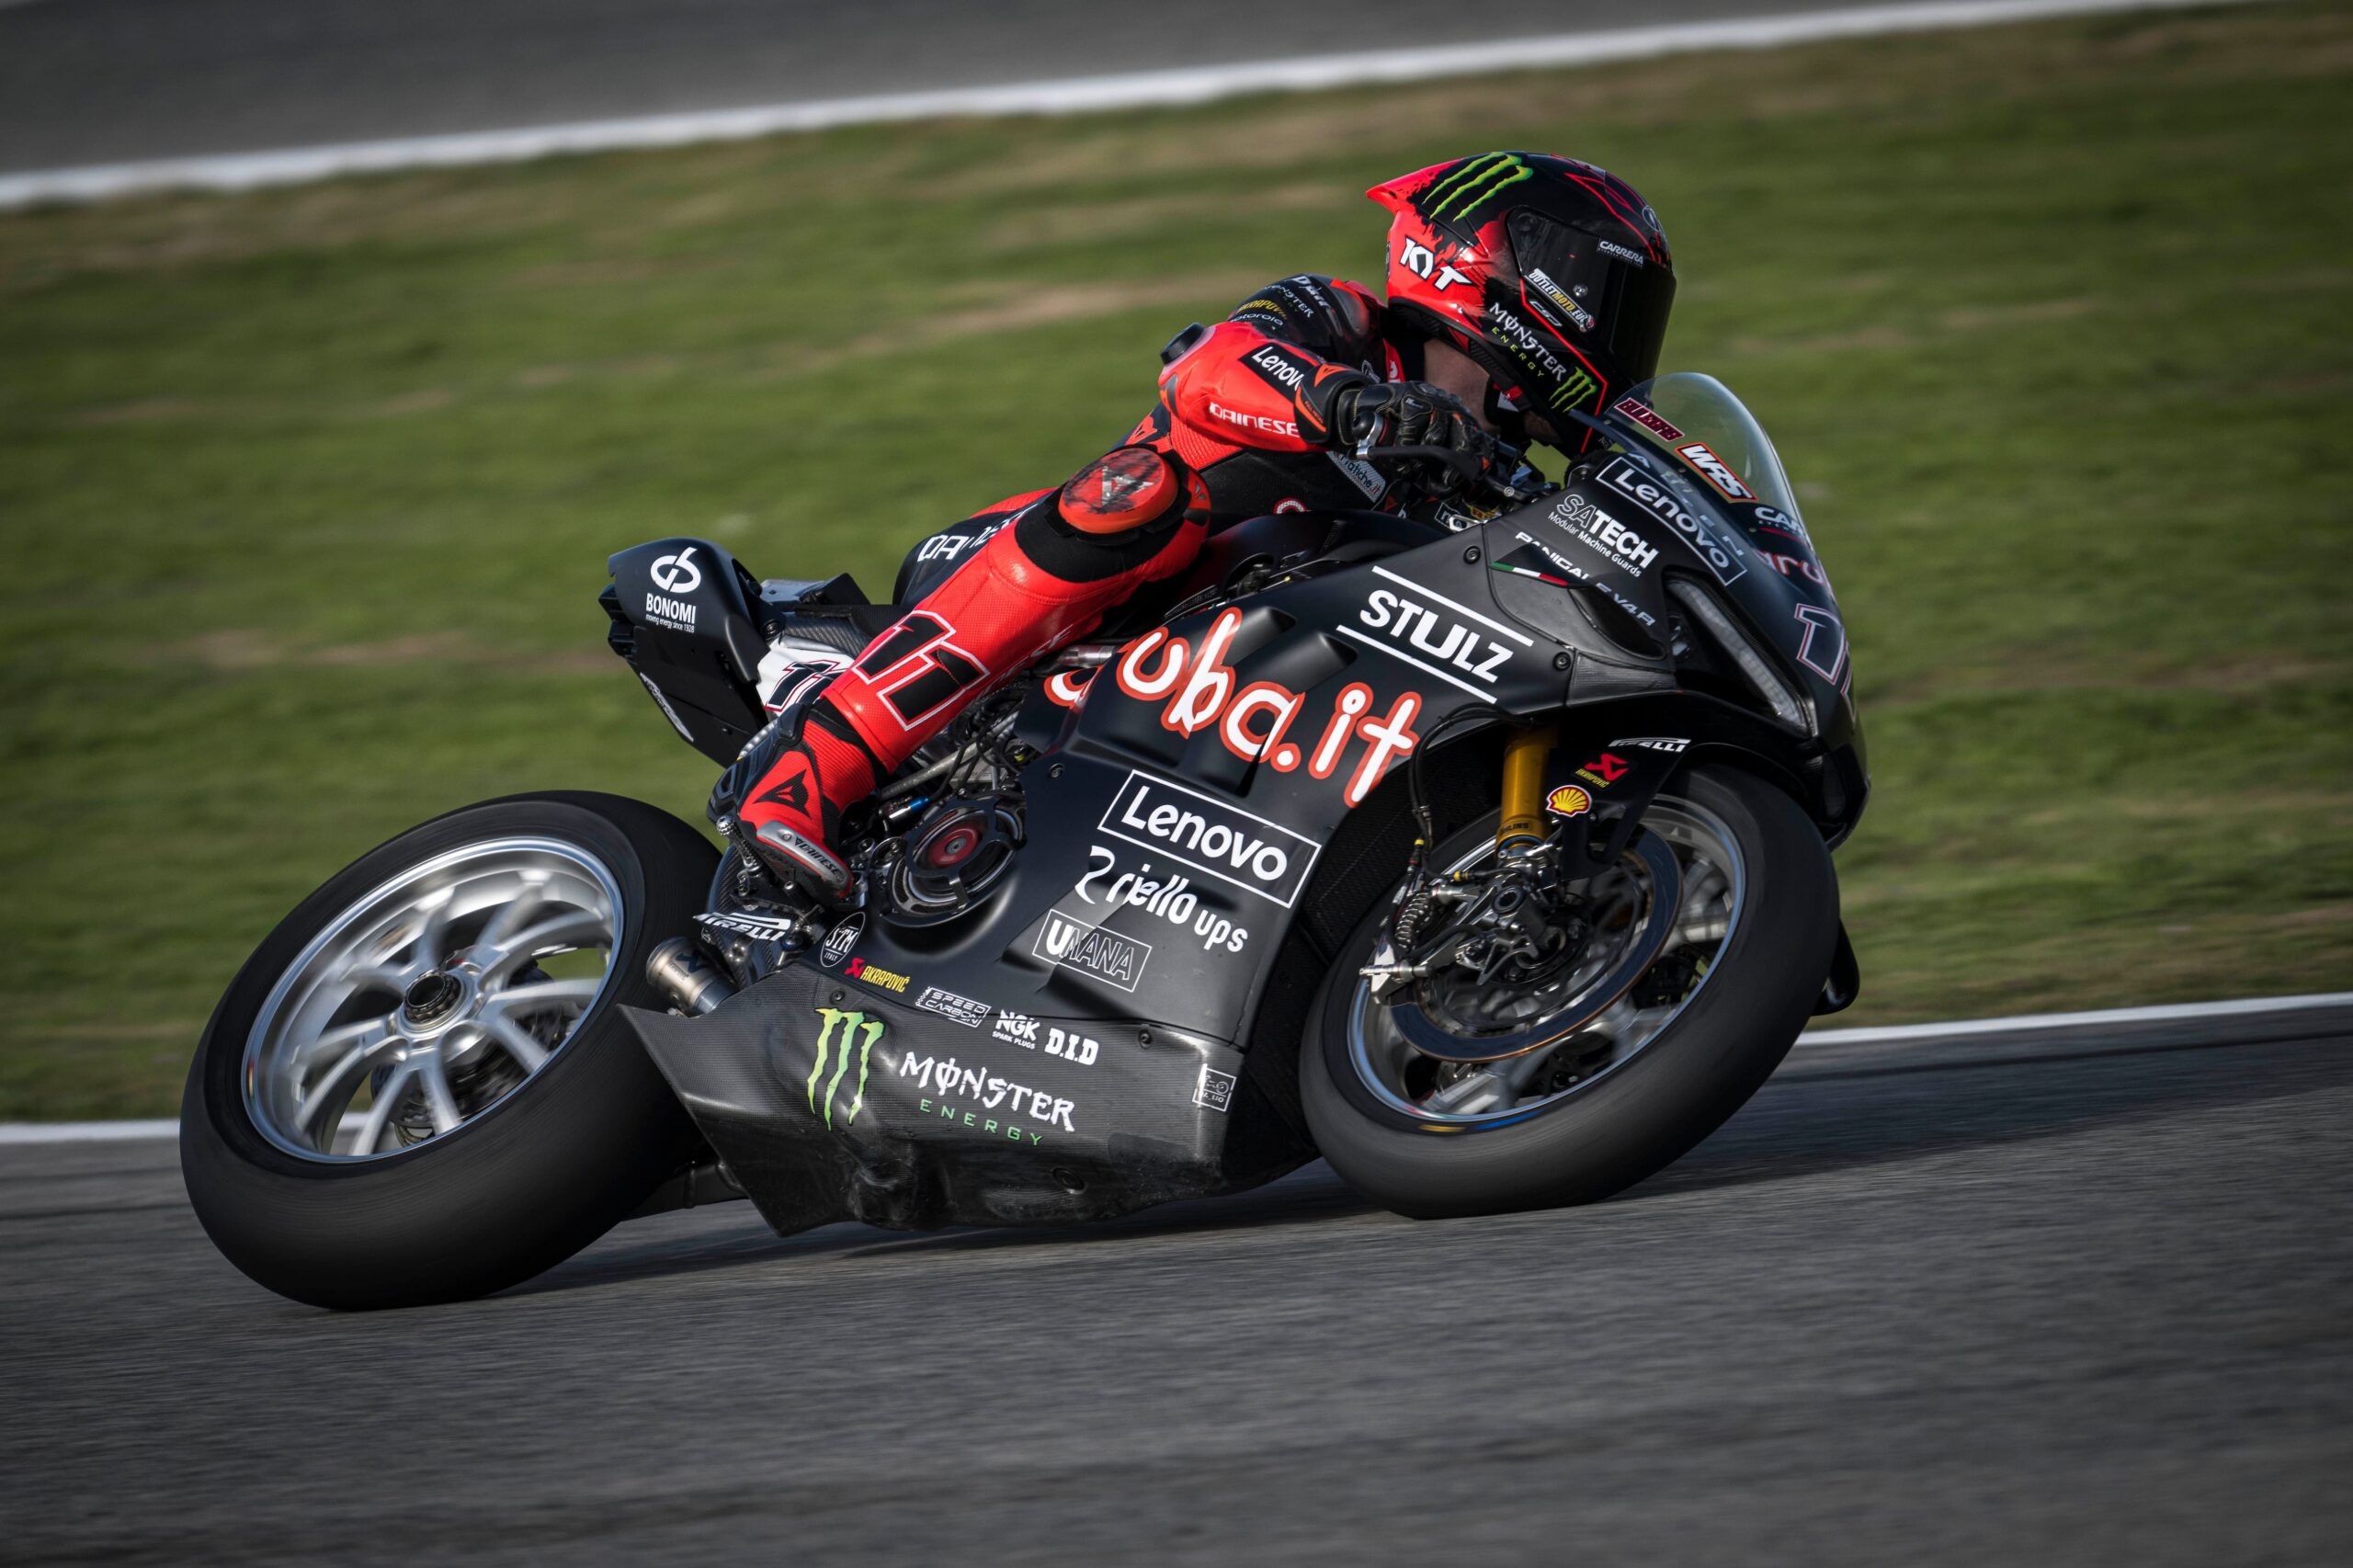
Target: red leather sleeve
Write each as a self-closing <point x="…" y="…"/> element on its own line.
<point x="1238" y="385"/>
<point x="1244" y="383"/>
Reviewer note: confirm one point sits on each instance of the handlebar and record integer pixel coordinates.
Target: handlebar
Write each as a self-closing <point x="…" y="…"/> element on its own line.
<point x="1473" y="473"/>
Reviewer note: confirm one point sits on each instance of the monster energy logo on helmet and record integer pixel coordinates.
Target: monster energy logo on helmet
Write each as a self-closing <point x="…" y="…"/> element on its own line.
<point x="1471" y="182"/>
<point x="1574" y="391"/>
<point x="841" y="1031"/>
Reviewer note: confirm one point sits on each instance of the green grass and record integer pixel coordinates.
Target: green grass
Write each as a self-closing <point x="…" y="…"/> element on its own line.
<point x="306" y="494"/>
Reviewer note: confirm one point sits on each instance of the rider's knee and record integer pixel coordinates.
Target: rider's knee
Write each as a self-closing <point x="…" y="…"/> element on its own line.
<point x="1116" y="513"/>
<point x="1125" y="489"/>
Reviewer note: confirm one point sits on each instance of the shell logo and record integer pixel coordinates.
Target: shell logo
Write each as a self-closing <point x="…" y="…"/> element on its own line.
<point x="1568" y="801"/>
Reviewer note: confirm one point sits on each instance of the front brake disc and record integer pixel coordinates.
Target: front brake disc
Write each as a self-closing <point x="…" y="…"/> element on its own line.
<point x="1431" y="1038"/>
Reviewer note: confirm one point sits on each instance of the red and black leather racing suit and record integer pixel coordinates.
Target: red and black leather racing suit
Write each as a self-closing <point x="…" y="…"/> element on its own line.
<point x="1234" y="434"/>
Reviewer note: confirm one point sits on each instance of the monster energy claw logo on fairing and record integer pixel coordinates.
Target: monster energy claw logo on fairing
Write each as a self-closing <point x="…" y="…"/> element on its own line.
<point x="841" y="1032"/>
<point x="1471" y="183"/>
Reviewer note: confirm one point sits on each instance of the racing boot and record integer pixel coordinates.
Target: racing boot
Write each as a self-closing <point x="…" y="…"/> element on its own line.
<point x="1133" y="516"/>
<point x="804" y="775"/>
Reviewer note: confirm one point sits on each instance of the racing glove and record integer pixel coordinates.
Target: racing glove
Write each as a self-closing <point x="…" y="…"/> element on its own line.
<point x="1356" y="411"/>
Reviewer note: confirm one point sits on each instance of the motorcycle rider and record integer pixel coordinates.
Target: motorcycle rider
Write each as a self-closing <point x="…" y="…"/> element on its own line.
<point x="1522" y="288"/>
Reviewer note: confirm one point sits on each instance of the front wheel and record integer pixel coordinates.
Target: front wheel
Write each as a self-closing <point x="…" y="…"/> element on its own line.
<point x="1731" y="942"/>
<point x="418" y="1088"/>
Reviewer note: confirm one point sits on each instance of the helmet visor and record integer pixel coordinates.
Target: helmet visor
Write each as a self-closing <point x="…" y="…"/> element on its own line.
<point x="1614" y="298"/>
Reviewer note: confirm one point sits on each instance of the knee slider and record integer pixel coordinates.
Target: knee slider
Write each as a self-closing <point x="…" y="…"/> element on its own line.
<point x="1127" y="489"/>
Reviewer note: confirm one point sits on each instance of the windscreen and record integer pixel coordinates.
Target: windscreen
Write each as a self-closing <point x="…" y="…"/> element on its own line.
<point x="1696" y="419"/>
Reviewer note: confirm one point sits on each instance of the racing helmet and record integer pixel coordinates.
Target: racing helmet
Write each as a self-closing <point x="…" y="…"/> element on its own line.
<point x="1551" y="275"/>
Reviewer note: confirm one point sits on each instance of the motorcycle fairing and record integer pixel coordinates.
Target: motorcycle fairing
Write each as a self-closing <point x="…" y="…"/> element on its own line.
<point x="1168" y="857"/>
<point x="831" y="1100"/>
<point x="1183" y="797"/>
<point x="1716" y="482"/>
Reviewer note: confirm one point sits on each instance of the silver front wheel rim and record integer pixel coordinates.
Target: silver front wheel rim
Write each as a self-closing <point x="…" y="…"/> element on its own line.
<point x="1713" y="896"/>
<point x="431" y="998"/>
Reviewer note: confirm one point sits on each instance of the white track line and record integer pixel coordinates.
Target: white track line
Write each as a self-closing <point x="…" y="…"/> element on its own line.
<point x="84" y="1131"/>
<point x="15" y="1132"/>
<point x="1183" y="84"/>
<point x="2084" y="1023"/>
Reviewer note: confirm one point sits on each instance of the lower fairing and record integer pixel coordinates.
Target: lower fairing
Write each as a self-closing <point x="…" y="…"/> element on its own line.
<point x="826" y="1102"/>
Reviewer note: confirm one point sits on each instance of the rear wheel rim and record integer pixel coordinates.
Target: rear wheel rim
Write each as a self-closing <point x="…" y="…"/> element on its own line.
<point x="427" y="1000"/>
<point x="1486" y="1095"/>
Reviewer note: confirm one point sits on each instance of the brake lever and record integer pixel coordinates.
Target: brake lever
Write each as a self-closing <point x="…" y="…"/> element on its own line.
<point x="1472" y="472"/>
<point x="1463" y="464"/>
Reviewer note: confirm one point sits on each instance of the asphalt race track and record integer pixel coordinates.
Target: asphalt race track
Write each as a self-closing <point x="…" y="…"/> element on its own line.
<point x="105" y="81"/>
<point x="2040" y="1301"/>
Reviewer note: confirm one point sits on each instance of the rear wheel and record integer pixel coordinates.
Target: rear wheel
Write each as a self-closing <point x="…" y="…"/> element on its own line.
<point x="418" y="1088"/>
<point x="1699" y="959"/>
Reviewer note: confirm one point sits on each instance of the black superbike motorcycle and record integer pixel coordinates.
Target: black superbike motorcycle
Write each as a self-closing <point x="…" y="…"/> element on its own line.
<point x="1481" y="849"/>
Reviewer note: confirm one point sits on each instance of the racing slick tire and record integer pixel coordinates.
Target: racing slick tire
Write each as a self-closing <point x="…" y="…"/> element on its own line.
<point x="1634" y="1118"/>
<point x="506" y="1127"/>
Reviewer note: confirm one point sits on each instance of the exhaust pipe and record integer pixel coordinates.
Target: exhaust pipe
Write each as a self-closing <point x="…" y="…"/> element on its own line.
<point x="690" y="980"/>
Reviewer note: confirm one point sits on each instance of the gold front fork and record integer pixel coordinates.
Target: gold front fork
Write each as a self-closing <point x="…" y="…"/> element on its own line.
<point x="1524" y="756"/>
